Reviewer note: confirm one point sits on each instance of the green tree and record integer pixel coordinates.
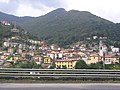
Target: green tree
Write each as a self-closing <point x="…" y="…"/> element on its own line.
<point x="53" y="66"/>
<point x="115" y="66"/>
<point x="27" y="64"/>
<point x="64" y="67"/>
<point x="81" y="65"/>
<point x="98" y="65"/>
<point x="28" y="56"/>
<point x="14" y="50"/>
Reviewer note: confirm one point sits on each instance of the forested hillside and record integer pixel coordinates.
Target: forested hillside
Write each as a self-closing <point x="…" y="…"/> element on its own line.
<point x="66" y="27"/>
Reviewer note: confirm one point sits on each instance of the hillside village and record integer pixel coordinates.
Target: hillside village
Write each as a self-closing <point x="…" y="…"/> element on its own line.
<point x="19" y="48"/>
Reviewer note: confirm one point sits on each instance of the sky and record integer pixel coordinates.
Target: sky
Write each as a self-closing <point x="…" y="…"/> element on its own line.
<point x="108" y="9"/>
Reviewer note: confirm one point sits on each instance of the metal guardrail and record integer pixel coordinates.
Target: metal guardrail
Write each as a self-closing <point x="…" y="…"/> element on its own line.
<point x="57" y="73"/>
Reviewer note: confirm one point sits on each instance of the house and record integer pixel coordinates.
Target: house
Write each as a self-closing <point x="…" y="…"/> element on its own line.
<point x="47" y="60"/>
<point x="68" y="60"/>
<point x="23" y="54"/>
<point x="115" y="50"/>
<point x="37" y="42"/>
<point x="10" y="50"/>
<point x="16" y="57"/>
<point x="51" y="55"/>
<point x="32" y="47"/>
<point x="14" y="29"/>
<point x="27" y="53"/>
<point x="95" y="37"/>
<point x="19" y="50"/>
<point x="55" y="55"/>
<point x="2" y="62"/>
<point x="6" y="23"/>
<point x="93" y="58"/>
<point x="110" y="59"/>
<point x="2" y="57"/>
<point x="37" y="59"/>
<point x="14" y="44"/>
<point x="6" y="44"/>
<point x="6" y="53"/>
<point x="54" y="47"/>
<point x="70" y="64"/>
<point x="31" y="53"/>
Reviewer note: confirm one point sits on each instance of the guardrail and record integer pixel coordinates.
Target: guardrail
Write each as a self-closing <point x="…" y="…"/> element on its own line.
<point x="79" y="73"/>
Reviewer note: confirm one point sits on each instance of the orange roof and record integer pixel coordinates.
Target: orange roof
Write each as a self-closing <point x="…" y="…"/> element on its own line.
<point x="110" y="56"/>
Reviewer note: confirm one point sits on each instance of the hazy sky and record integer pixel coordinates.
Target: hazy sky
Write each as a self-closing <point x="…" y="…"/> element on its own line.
<point x="108" y="9"/>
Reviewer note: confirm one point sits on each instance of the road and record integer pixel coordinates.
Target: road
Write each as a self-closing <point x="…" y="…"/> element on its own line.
<point x="78" y="86"/>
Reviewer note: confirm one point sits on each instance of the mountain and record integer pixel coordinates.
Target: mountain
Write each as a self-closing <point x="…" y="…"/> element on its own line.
<point x="66" y="27"/>
<point x="12" y="18"/>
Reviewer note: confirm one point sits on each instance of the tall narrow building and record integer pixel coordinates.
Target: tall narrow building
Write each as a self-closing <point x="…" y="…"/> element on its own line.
<point x="102" y="48"/>
<point x="14" y="29"/>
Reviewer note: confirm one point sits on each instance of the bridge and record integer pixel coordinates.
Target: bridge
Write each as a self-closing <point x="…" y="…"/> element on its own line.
<point x="58" y="73"/>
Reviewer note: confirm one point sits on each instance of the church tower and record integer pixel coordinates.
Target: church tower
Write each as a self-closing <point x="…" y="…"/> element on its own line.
<point x="101" y="48"/>
<point x="15" y="30"/>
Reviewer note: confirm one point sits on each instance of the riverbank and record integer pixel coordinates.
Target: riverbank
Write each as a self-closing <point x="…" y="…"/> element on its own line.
<point x="59" y="81"/>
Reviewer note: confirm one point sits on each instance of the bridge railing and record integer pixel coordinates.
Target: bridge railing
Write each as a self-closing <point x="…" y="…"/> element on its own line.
<point x="84" y="73"/>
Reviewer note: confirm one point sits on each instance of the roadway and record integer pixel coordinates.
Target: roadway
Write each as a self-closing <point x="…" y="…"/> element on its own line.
<point x="63" y="86"/>
<point x="86" y="73"/>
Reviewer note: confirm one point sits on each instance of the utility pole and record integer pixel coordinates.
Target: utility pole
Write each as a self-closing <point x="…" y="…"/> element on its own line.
<point x="103" y="60"/>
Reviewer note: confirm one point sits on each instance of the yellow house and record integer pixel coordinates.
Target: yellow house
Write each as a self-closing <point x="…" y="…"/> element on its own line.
<point x="70" y="64"/>
<point x="93" y="58"/>
<point x="47" y="60"/>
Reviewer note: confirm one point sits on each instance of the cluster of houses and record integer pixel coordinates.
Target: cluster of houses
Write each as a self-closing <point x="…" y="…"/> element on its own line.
<point x="69" y="57"/>
<point x="13" y="51"/>
<point x="6" y="23"/>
